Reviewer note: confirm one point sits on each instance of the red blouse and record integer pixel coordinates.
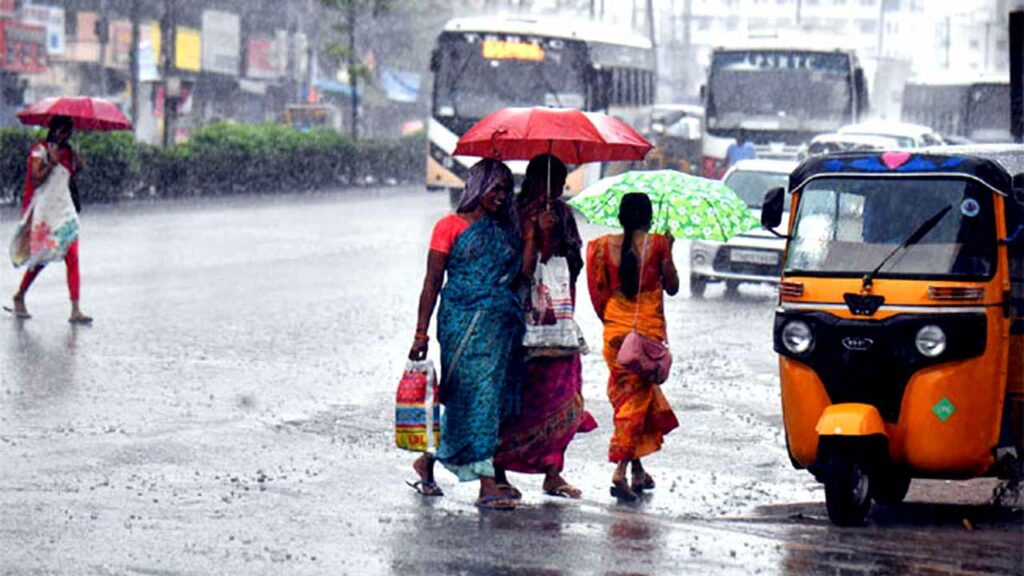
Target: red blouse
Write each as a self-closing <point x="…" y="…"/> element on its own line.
<point x="446" y="231"/>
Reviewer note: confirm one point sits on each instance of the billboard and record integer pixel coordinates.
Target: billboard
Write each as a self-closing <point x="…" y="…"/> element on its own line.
<point x="23" y="47"/>
<point x="51" y="18"/>
<point x="221" y="42"/>
<point x="188" y="46"/>
<point x="265" y="57"/>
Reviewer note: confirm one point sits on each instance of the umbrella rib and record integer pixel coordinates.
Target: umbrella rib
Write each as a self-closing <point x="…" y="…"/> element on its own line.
<point x="725" y="238"/>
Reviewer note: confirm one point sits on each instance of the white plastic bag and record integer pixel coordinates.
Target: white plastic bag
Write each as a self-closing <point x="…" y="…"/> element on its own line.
<point x="549" y="310"/>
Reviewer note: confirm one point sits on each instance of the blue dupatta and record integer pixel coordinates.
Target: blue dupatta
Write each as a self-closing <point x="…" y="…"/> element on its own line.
<point x="480" y="329"/>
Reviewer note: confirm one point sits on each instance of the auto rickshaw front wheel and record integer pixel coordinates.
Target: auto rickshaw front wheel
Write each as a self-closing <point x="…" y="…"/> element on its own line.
<point x="847" y="485"/>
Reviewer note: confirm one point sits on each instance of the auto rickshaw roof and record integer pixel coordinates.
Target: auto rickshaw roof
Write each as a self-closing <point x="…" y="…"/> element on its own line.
<point x="905" y="163"/>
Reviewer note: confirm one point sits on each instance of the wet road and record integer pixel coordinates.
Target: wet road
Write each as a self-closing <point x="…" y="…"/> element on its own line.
<point x="231" y="412"/>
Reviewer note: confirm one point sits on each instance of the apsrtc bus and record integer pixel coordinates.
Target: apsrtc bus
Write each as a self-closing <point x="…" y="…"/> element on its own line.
<point x="481" y="65"/>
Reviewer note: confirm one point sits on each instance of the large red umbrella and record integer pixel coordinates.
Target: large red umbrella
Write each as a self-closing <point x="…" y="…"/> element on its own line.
<point x="85" y="112"/>
<point x="572" y="136"/>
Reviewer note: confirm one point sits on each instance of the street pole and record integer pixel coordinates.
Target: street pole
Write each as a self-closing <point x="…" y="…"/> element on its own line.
<point x="687" y="43"/>
<point x="949" y="32"/>
<point x="649" y="17"/>
<point x="168" y="35"/>
<point x="881" y="29"/>
<point x="353" y="74"/>
<point x="133" y="62"/>
<point x="1017" y="75"/>
<point x="104" y="36"/>
<point x="799" y="7"/>
<point x="314" y="48"/>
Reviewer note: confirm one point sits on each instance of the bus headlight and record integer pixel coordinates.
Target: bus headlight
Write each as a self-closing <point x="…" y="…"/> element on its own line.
<point x="930" y="341"/>
<point x="797" y="336"/>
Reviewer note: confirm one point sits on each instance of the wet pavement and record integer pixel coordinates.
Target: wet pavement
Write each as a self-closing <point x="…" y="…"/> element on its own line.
<point x="231" y="411"/>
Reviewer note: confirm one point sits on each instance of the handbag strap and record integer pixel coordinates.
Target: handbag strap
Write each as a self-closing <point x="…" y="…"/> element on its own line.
<point x="640" y="277"/>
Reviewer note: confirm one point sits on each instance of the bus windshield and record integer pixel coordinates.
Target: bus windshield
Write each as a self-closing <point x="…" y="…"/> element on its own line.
<point x="478" y="74"/>
<point x="847" y="226"/>
<point x="779" y="90"/>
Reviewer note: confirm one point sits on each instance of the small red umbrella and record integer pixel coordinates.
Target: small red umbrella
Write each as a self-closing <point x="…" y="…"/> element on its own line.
<point x="86" y="113"/>
<point x="572" y="136"/>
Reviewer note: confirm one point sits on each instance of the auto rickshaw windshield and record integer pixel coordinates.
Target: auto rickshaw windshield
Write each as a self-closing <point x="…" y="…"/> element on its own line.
<point x="848" y="226"/>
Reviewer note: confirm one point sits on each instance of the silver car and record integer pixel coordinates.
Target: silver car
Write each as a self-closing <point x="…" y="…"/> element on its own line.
<point x="753" y="257"/>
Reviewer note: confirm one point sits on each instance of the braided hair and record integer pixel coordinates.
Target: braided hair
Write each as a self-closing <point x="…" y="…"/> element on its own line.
<point x="635" y="213"/>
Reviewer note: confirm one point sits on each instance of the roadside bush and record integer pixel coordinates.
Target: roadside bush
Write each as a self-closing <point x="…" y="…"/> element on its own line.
<point x="14" y="146"/>
<point x="220" y="159"/>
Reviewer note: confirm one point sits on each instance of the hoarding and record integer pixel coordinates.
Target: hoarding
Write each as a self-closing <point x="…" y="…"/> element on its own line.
<point x="51" y="18"/>
<point x="221" y="42"/>
<point x="23" y="47"/>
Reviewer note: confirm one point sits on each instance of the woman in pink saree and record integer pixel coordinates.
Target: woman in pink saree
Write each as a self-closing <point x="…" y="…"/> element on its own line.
<point x="552" y="411"/>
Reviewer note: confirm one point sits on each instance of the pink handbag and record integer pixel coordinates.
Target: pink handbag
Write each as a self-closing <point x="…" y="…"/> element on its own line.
<point x="643" y="356"/>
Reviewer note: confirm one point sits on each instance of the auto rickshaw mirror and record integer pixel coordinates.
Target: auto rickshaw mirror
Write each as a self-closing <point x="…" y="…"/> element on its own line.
<point x="771" y="209"/>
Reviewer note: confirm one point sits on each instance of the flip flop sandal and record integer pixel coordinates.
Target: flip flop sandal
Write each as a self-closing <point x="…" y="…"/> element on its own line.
<point x="645" y="483"/>
<point x="565" y="491"/>
<point x="16" y="314"/>
<point x="81" y="320"/>
<point x="512" y="491"/>
<point x="623" y="492"/>
<point x="496" y="503"/>
<point x="426" y="488"/>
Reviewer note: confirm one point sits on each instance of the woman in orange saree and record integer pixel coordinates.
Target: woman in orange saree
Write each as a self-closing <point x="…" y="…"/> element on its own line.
<point x="620" y="294"/>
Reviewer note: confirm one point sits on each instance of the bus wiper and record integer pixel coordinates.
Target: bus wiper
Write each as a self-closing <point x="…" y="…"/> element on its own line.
<point x="914" y="238"/>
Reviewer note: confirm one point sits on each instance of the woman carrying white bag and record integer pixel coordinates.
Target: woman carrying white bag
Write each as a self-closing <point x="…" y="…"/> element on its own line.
<point x="552" y="411"/>
<point x="48" y="229"/>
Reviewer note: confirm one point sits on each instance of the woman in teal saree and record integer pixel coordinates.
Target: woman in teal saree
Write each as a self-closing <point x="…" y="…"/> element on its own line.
<point x="479" y="327"/>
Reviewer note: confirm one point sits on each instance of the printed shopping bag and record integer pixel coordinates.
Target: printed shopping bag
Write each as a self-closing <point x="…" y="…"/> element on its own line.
<point x="549" y="310"/>
<point x="417" y="409"/>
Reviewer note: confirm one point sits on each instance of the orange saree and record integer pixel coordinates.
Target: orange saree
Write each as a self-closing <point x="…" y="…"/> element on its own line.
<point x="642" y="414"/>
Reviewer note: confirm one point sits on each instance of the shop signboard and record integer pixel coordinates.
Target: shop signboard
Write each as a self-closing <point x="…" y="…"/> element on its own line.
<point x="264" y="58"/>
<point x="221" y="42"/>
<point x="23" y="47"/>
<point x="51" y="18"/>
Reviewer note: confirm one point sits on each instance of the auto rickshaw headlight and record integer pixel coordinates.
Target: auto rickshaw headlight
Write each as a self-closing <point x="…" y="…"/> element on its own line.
<point x="797" y="336"/>
<point x="930" y="341"/>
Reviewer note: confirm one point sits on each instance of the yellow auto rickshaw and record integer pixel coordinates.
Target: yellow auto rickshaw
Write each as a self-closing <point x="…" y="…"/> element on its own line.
<point x="899" y="330"/>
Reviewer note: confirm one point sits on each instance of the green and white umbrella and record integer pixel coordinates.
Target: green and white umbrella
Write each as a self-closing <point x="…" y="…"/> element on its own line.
<point x="690" y="207"/>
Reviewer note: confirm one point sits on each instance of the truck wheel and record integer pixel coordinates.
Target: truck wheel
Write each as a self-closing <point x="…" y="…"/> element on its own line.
<point x="847" y="486"/>
<point x="698" y="284"/>
<point x="732" y="288"/>
<point x="889" y="486"/>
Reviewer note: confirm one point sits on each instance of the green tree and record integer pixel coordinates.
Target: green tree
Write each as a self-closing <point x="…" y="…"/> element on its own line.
<point x="350" y="13"/>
